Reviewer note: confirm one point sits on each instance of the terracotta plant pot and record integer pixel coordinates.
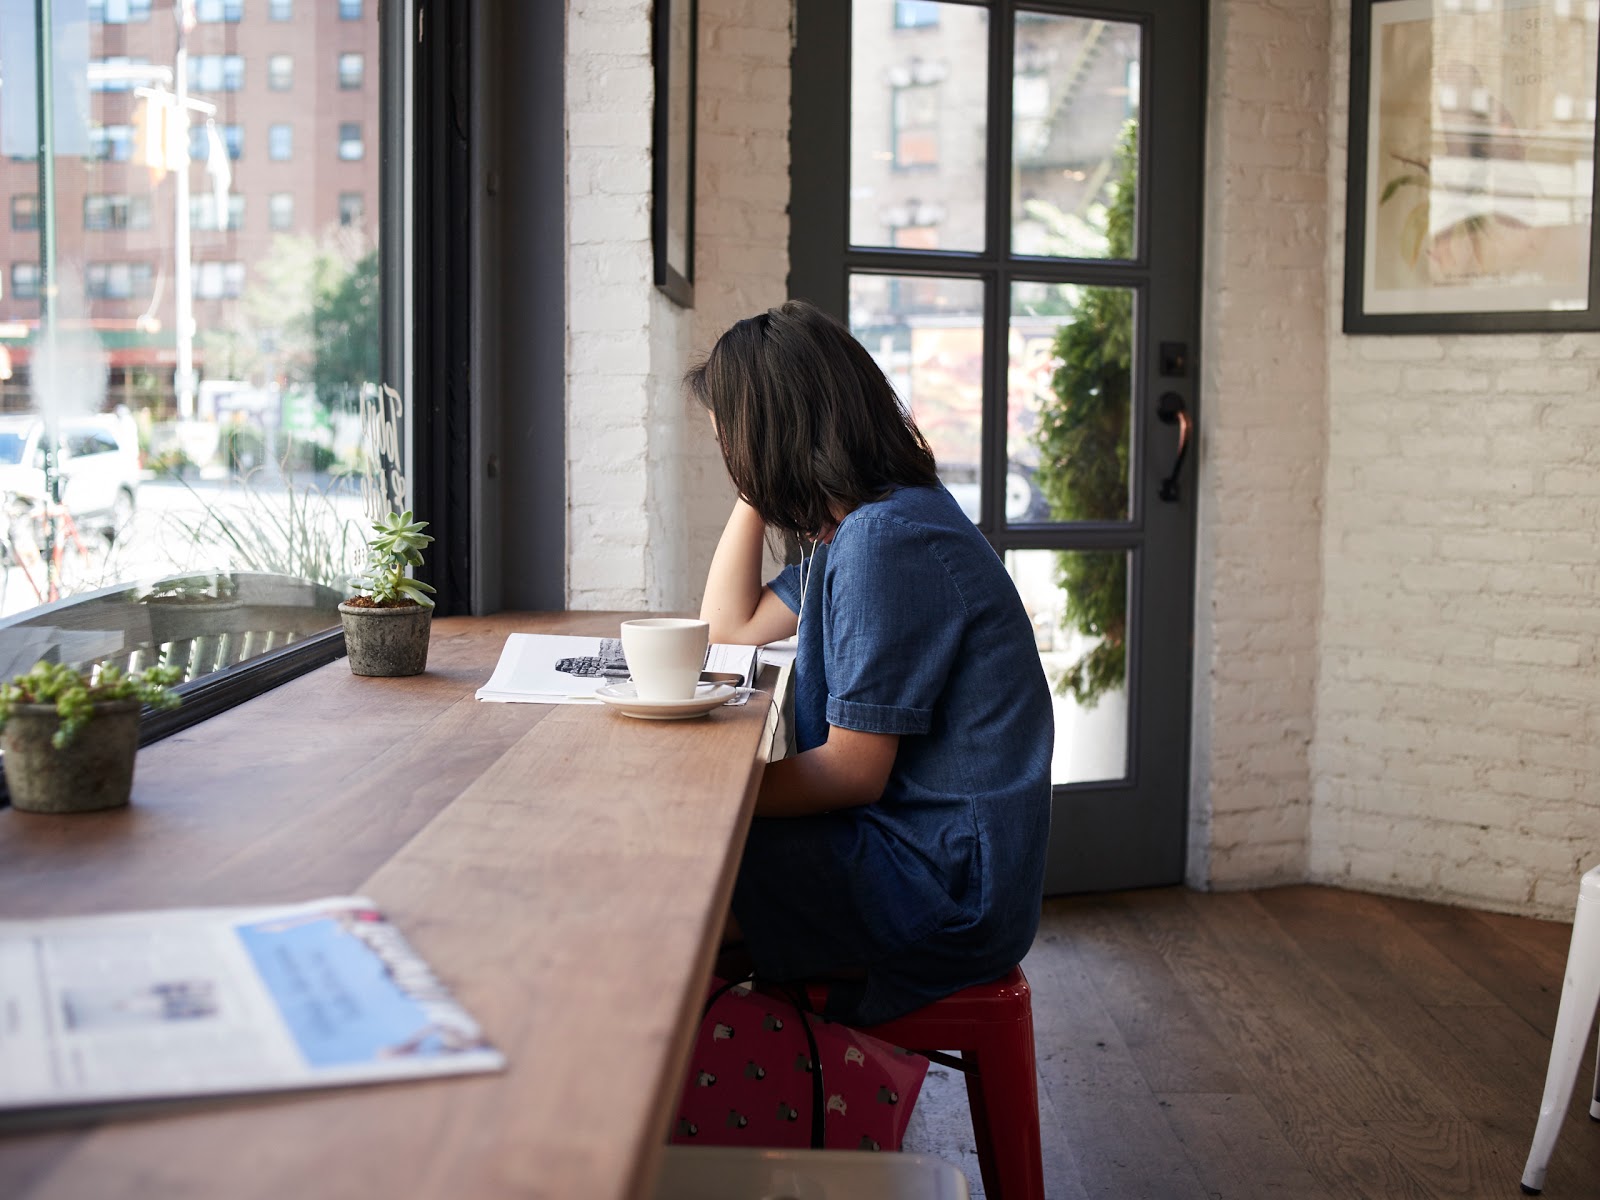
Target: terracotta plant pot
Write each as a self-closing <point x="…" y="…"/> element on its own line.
<point x="386" y="641"/>
<point x="94" y="772"/>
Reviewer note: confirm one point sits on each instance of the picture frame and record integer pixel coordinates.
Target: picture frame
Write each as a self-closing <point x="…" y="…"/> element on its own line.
<point x="675" y="33"/>
<point x="1471" y="173"/>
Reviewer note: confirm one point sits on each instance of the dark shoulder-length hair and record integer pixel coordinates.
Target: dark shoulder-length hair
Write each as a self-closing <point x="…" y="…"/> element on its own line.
<point x="809" y="427"/>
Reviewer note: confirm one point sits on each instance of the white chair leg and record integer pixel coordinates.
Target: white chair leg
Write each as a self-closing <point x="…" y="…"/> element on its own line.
<point x="1580" y="995"/>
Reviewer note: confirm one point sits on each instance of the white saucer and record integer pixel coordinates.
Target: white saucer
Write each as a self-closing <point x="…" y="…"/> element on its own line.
<point x="623" y="698"/>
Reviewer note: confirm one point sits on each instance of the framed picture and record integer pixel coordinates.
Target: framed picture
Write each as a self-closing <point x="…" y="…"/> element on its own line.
<point x="672" y="222"/>
<point x="1472" y="167"/>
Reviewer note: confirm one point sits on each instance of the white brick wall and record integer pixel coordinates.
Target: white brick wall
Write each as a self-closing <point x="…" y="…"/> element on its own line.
<point x="646" y="491"/>
<point x="1262" y="433"/>
<point x="1459" y="702"/>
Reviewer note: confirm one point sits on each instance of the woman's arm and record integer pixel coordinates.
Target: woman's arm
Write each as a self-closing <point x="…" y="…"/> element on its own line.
<point x="741" y="611"/>
<point x="850" y="769"/>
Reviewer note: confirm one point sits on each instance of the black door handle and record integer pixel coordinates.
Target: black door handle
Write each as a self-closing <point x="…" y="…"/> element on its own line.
<point x="1171" y="410"/>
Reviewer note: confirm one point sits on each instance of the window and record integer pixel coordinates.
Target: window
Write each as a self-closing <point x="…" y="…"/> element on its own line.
<point x="352" y="69"/>
<point x="915" y="14"/>
<point x="111" y="143"/>
<point x="914" y="110"/>
<point x="115" y="210"/>
<point x="280" y="142"/>
<point x="118" y="12"/>
<point x="200" y="144"/>
<point x="115" y="73"/>
<point x="203" y="213"/>
<point x="25" y="212"/>
<point x="243" y="367"/>
<point x="215" y="11"/>
<point x="280" y="211"/>
<point x="25" y="281"/>
<point x="350" y="145"/>
<point x="218" y="280"/>
<point x="349" y="10"/>
<point x="117" y="280"/>
<point x="352" y="208"/>
<point x="216" y="72"/>
<point x="81" y="444"/>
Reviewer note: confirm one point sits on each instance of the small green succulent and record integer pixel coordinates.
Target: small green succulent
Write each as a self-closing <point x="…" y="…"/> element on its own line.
<point x="396" y="546"/>
<point x="75" y="693"/>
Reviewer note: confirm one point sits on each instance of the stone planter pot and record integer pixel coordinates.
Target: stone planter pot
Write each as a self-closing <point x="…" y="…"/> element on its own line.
<point x="386" y="641"/>
<point x="94" y="772"/>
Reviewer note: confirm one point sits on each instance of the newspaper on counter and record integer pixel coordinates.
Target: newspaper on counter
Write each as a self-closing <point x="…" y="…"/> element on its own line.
<point x="198" y="1002"/>
<point x="550" y="668"/>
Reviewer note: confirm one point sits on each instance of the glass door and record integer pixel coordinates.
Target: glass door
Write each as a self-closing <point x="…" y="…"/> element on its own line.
<point x="1004" y="205"/>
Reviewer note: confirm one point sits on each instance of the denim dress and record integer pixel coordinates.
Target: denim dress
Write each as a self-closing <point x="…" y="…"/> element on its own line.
<point x="910" y="626"/>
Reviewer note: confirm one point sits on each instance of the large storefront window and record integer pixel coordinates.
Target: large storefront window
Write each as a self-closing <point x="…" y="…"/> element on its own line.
<point x="190" y="377"/>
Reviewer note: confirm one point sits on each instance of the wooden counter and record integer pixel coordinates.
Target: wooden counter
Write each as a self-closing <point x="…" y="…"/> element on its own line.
<point x="564" y="869"/>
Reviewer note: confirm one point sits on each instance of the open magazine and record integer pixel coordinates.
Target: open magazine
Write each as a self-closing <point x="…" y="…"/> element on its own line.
<point x="196" y="1002"/>
<point x="549" y="668"/>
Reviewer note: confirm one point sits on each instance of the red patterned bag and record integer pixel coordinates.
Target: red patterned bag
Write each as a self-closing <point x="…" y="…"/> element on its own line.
<point x="753" y="1079"/>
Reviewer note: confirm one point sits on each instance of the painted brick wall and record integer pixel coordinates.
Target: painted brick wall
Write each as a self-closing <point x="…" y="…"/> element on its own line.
<point x="1458" y="730"/>
<point x="610" y="310"/>
<point x="1262" y="432"/>
<point x="741" y="223"/>
<point x="647" y="494"/>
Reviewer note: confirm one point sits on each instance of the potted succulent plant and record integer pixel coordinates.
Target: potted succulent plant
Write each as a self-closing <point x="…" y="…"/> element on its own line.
<point x="70" y="736"/>
<point x="387" y="621"/>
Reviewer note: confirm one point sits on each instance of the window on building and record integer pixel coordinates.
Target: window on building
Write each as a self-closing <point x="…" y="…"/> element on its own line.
<point x="218" y="280"/>
<point x="352" y="208"/>
<point x="118" y="12"/>
<point x="200" y="144"/>
<point x="352" y="70"/>
<point x="349" y="10"/>
<point x="203" y="215"/>
<point x="351" y="147"/>
<point x="25" y="212"/>
<point x="215" y="11"/>
<point x="104" y="211"/>
<point x="914" y="111"/>
<point x="111" y="143"/>
<point x="280" y="142"/>
<point x="117" y="280"/>
<point x="116" y="73"/>
<point x="216" y="72"/>
<point x="280" y="211"/>
<point x="915" y="14"/>
<point x="25" y="281"/>
<point x="280" y="72"/>
<point x="280" y="10"/>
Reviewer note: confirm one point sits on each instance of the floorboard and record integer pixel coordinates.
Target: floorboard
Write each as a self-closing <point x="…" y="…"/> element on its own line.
<point x="1292" y="1044"/>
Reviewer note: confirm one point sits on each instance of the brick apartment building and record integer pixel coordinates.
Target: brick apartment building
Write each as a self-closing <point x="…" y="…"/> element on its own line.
<point x="295" y="89"/>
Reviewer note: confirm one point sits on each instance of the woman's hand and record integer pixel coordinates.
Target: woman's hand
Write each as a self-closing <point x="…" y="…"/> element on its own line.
<point x="741" y="611"/>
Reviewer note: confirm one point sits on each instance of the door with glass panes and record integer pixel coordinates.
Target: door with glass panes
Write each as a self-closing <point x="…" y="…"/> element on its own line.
<point x="1002" y="200"/>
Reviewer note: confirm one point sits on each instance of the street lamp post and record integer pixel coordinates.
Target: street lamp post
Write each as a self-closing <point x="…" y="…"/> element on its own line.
<point x="183" y="378"/>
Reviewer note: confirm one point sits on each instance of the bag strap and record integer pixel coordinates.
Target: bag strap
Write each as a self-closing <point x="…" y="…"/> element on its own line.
<point x="819" y="1105"/>
<point x="797" y="999"/>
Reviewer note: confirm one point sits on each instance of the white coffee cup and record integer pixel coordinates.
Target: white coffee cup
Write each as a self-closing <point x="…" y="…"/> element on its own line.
<point x="665" y="655"/>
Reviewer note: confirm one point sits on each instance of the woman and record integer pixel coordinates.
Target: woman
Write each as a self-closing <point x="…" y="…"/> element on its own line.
<point x="901" y="849"/>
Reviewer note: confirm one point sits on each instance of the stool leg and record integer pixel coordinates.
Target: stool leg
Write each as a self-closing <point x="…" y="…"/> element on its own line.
<point x="978" y="1106"/>
<point x="1580" y="994"/>
<point x="1004" y="1093"/>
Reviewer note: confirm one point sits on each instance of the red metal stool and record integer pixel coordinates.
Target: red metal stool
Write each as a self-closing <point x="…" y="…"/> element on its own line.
<point x="991" y="1025"/>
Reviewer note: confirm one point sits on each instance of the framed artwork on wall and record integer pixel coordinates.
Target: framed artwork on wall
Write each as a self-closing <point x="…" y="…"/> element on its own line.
<point x="1472" y="167"/>
<point x="672" y="219"/>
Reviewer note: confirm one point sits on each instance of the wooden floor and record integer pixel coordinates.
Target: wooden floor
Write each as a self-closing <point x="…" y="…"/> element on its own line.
<point x="1293" y="1044"/>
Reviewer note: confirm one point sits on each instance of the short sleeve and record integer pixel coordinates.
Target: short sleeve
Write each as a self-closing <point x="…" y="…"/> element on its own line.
<point x="786" y="585"/>
<point x="894" y="627"/>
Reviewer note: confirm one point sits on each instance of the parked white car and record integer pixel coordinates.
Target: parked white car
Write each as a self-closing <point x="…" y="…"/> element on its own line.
<point x="99" y="466"/>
